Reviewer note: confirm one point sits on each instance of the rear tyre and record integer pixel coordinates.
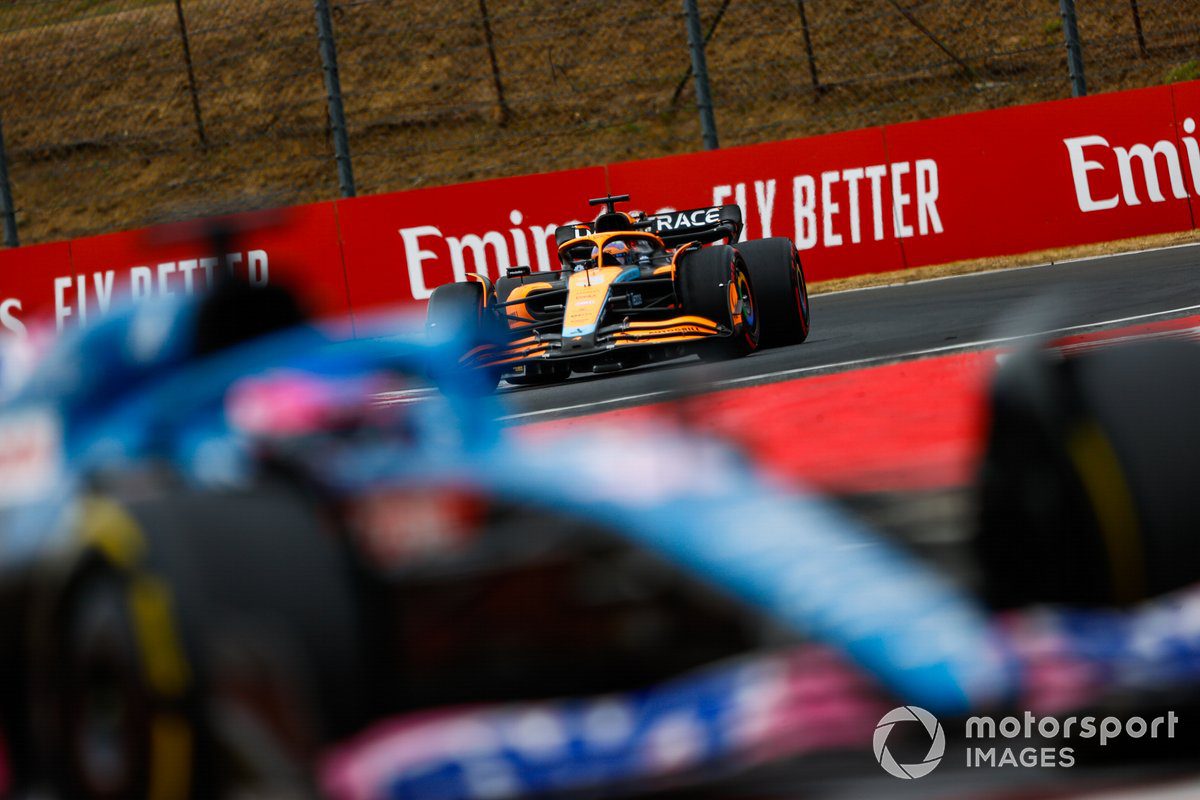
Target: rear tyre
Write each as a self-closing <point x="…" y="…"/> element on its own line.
<point x="714" y="284"/>
<point x="779" y="288"/>
<point x="1087" y="491"/>
<point x="458" y="318"/>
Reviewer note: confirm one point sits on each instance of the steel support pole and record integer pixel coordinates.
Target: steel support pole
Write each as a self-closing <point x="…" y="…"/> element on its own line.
<point x="1074" y="49"/>
<point x="502" y="110"/>
<point x="191" y="73"/>
<point x="333" y="92"/>
<point x="708" y="123"/>
<point x="7" y="212"/>
<point x="808" y="50"/>
<point x="1137" y="28"/>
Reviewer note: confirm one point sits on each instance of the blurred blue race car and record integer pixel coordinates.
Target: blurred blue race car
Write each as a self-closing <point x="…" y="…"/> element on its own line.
<point x="225" y="567"/>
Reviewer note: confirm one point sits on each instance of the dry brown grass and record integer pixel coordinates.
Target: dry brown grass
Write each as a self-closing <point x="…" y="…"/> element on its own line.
<point x="99" y="124"/>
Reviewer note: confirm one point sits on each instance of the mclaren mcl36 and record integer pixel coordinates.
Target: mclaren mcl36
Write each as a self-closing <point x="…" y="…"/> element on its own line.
<point x="632" y="289"/>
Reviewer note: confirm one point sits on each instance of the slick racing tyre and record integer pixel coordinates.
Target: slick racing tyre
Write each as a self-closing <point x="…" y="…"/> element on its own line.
<point x="714" y="284"/>
<point x="1088" y="485"/>
<point x="457" y="316"/>
<point x="193" y="627"/>
<point x="779" y="289"/>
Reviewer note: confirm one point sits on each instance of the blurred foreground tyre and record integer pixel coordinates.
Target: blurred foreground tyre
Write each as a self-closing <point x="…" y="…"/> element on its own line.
<point x="713" y="283"/>
<point x="204" y="644"/>
<point x="1087" y="492"/>
<point x="109" y="713"/>
<point x="779" y="289"/>
<point x="457" y="316"/>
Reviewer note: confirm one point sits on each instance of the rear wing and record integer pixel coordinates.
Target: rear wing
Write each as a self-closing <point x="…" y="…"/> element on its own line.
<point x="696" y="225"/>
<point x="674" y="227"/>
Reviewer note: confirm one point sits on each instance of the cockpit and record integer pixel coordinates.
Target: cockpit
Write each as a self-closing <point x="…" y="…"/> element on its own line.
<point x="617" y="251"/>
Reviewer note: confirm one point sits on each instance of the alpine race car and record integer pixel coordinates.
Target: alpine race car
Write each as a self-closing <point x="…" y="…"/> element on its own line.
<point x="227" y="567"/>
<point x="632" y="289"/>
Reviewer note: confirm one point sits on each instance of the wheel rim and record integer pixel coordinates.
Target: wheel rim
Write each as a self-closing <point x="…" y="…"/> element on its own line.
<point x="741" y="301"/>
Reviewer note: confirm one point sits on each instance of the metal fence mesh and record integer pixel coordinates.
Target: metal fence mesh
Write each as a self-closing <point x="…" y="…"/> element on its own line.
<point x="789" y="68"/>
<point x="120" y="112"/>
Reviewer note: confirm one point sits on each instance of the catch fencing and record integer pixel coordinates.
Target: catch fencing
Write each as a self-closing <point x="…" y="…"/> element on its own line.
<point x="128" y="112"/>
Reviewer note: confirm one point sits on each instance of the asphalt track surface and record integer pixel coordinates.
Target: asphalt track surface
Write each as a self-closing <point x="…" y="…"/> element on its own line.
<point x="875" y="325"/>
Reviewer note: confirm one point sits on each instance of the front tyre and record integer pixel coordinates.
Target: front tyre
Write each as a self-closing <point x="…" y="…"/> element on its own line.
<point x="457" y="316"/>
<point x="779" y="288"/>
<point x="714" y="284"/>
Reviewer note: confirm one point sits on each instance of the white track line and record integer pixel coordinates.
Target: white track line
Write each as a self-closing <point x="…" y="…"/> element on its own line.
<point x="1076" y="260"/>
<point x="859" y="362"/>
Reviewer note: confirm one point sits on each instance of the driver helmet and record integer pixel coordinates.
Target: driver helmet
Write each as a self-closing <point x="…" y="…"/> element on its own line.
<point x="618" y="254"/>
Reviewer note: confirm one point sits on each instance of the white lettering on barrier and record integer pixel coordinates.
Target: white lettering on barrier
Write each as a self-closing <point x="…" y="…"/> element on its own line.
<point x="1080" y="167"/>
<point x="830" y="217"/>
<point x="77" y="295"/>
<point x="900" y="199"/>
<point x="914" y="188"/>
<point x="9" y="321"/>
<point x="1147" y="156"/>
<point x="829" y="208"/>
<point x="928" y="218"/>
<point x="477" y="244"/>
<point x="1193" y="152"/>
<point x="1083" y="153"/>
<point x="415" y="256"/>
<point x="851" y="177"/>
<point x="764" y="195"/>
<point x="490" y="252"/>
<point x="804" y="199"/>
<point x="875" y="174"/>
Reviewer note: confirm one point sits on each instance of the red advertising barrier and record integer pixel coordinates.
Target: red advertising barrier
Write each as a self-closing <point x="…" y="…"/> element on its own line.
<point x="68" y="283"/>
<point x="398" y="247"/>
<point x="875" y="200"/>
<point x="1046" y="175"/>
<point x="25" y="272"/>
<point x="1187" y="129"/>
<point x="833" y="195"/>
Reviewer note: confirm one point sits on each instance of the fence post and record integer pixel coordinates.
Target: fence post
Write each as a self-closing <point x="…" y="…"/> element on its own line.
<point x="502" y="111"/>
<point x="333" y="91"/>
<point x="191" y="73"/>
<point x="712" y="29"/>
<point x="6" y="202"/>
<point x="708" y="123"/>
<point x="1137" y="27"/>
<point x="1074" y="50"/>
<point x="808" y="50"/>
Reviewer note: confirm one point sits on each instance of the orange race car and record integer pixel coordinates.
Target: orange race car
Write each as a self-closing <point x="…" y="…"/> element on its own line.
<point x="633" y="288"/>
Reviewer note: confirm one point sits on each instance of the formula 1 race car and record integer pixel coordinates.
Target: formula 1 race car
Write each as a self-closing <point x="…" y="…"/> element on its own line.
<point x="227" y="569"/>
<point x="226" y="566"/>
<point x="632" y="289"/>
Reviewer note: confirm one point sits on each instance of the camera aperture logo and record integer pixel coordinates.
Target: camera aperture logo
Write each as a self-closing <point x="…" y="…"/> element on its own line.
<point x="937" y="739"/>
<point x="1014" y="741"/>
